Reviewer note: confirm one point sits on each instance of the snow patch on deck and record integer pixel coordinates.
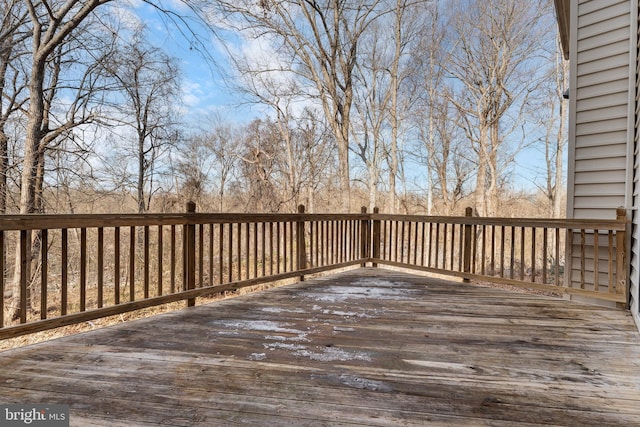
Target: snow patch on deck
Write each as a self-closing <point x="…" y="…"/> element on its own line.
<point x="299" y="338"/>
<point x="284" y="346"/>
<point x="330" y="354"/>
<point x="260" y="325"/>
<point x="336" y="294"/>
<point x="364" y="383"/>
<point x="282" y="310"/>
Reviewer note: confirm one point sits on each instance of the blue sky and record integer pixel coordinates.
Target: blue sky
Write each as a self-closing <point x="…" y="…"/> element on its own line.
<point x="205" y="93"/>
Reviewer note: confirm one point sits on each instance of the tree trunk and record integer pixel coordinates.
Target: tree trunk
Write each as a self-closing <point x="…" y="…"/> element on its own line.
<point x="141" y="170"/>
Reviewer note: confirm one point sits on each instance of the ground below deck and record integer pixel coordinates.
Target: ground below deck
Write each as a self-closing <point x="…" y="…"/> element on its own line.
<point x="366" y="347"/>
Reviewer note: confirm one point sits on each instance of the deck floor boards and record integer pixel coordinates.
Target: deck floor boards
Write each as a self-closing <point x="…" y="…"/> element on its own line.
<point x="368" y="347"/>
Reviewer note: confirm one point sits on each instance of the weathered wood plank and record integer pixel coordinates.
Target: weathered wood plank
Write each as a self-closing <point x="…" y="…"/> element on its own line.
<point x="367" y="347"/>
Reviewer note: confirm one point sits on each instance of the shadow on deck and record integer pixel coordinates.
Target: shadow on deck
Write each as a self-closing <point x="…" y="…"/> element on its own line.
<point x="365" y="347"/>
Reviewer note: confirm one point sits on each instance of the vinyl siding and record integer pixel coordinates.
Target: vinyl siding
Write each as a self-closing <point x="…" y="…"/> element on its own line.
<point x="634" y="276"/>
<point x="601" y="117"/>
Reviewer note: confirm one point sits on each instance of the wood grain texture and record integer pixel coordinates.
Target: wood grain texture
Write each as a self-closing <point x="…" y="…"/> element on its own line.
<point x="368" y="347"/>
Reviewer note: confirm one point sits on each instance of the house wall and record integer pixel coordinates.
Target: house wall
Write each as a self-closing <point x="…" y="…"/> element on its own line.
<point x="600" y="109"/>
<point x="634" y="276"/>
<point x="604" y="42"/>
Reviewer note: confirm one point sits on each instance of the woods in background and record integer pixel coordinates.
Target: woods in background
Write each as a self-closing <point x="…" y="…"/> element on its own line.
<point x="413" y="106"/>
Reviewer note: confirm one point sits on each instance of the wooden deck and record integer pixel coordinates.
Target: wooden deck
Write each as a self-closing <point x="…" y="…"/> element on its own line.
<point x="367" y="347"/>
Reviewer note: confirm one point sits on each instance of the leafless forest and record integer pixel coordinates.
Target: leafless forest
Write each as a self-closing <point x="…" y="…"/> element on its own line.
<point x="414" y="106"/>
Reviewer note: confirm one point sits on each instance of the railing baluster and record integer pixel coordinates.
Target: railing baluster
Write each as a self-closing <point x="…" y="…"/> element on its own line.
<point x="211" y="254"/>
<point x="221" y="252"/>
<point x="437" y="245"/>
<point x="230" y="254"/>
<point x="278" y="237"/>
<point x="64" y="262"/>
<point x="146" y="262"/>
<point x="461" y="247"/>
<point x="83" y="269"/>
<point x="403" y="238"/>
<point x="533" y="254"/>
<point x="44" y="271"/>
<point x="24" y="260"/>
<point x="200" y="256"/>
<point x="423" y="242"/>
<point x="430" y="244"/>
<point x="292" y="249"/>
<point x="239" y="250"/>
<point x="582" y="257"/>
<point x="522" y="258"/>
<point x="445" y="239"/>
<point x="557" y="259"/>
<point x="545" y="243"/>
<point x="452" y="248"/>
<point x="611" y="271"/>
<point x="264" y="245"/>
<point x="512" y="253"/>
<point x="270" y="248"/>
<point x="160" y="261"/>
<point x="172" y="260"/>
<point x="100" y="265"/>
<point x="116" y="265"/>
<point x="474" y="248"/>
<point x="247" y="246"/>
<point x="132" y="263"/>
<point x="255" y="250"/>
<point x="596" y="261"/>
<point x="493" y="251"/>
<point x="502" y="250"/>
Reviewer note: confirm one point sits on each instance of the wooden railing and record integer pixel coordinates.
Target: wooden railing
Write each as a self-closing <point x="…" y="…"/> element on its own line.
<point x="65" y="269"/>
<point x="579" y="257"/>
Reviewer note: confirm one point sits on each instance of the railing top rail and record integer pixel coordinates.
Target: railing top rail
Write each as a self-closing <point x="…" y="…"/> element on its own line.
<point x="600" y="224"/>
<point x="56" y="221"/>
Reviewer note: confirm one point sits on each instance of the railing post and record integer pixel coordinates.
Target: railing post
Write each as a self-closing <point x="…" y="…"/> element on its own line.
<point x="189" y="254"/>
<point x="467" y="244"/>
<point x="622" y="284"/>
<point x="301" y="243"/>
<point x="364" y="237"/>
<point x="376" y="237"/>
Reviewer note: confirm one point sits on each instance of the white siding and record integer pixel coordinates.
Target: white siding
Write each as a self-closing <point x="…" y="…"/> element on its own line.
<point x="602" y="112"/>
<point x="601" y="79"/>
<point x="634" y="276"/>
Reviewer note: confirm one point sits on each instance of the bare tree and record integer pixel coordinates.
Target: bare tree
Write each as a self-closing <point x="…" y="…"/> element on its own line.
<point x="317" y="42"/>
<point x="54" y="29"/>
<point x="427" y="80"/>
<point x="51" y="24"/>
<point x="406" y="24"/>
<point x="278" y="94"/>
<point x="258" y="169"/>
<point x="372" y="99"/>
<point x="13" y="34"/>
<point x="552" y="117"/>
<point x="496" y="42"/>
<point x="148" y="78"/>
<point x="446" y="155"/>
<point x="316" y="155"/>
<point x="223" y="141"/>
